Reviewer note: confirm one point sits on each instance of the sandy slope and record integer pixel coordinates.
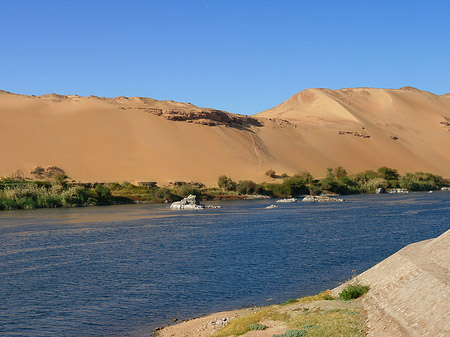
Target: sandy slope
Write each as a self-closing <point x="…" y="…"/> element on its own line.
<point x="141" y="139"/>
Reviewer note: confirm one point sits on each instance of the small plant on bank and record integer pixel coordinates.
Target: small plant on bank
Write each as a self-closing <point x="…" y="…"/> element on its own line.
<point x="289" y="301"/>
<point x="293" y="333"/>
<point x="353" y="291"/>
<point x="257" y="326"/>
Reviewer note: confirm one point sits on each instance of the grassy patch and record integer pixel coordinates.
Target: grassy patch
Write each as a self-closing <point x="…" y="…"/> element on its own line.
<point x="241" y="325"/>
<point x="293" y="333"/>
<point x="317" y="319"/>
<point x="257" y="326"/>
<point x="324" y="295"/>
<point x="328" y="323"/>
<point x="289" y="301"/>
<point x="353" y="291"/>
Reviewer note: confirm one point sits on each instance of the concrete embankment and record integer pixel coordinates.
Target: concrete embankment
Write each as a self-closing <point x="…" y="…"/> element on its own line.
<point x="410" y="291"/>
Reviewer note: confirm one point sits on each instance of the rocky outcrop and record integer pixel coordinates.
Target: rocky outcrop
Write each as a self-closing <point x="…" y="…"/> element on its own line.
<point x="187" y="203"/>
<point x="398" y="190"/>
<point x="312" y="198"/>
<point x="208" y="117"/>
<point x="446" y="125"/>
<point x="353" y="133"/>
<point x="288" y="200"/>
<point x="409" y="292"/>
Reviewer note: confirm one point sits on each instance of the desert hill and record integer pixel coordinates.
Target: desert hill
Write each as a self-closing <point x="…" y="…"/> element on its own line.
<point x="142" y="139"/>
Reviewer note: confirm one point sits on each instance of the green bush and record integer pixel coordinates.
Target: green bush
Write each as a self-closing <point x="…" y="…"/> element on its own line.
<point x="421" y="181"/>
<point x="295" y="186"/>
<point x="246" y="187"/>
<point x="226" y="183"/>
<point x="292" y="333"/>
<point x="353" y="291"/>
<point x="289" y="301"/>
<point x="257" y="326"/>
<point x="103" y="194"/>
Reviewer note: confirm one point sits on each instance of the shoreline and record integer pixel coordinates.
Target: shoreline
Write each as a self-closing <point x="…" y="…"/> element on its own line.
<point x="389" y="309"/>
<point x="225" y="197"/>
<point x="18" y="192"/>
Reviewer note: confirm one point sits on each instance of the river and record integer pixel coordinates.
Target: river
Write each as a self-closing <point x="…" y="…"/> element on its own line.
<point x="123" y="270"/>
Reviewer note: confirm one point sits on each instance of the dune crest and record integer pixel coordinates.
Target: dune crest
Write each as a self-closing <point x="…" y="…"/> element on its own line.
<point x="143" y="139"/>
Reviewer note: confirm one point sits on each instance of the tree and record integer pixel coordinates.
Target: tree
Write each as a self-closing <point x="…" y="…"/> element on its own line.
<point x="295" y="186"/>
<point x="38" y="172"/>
<point x="18" y="176"/>
<point x="305" y="176"/>
<point x="246" y="187"/>
<point x="388" y="173"/>
<point x="340" y="172"/>
<point x="103" y="194"/>
<point x="60" y="179"/>
<point x="226" y="183"/>
<point x="330" y="173"/>
<point x="53" y="171"/>
<point x="391" y="175"/>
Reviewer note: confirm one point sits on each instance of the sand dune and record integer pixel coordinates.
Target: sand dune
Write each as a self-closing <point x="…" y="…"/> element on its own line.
<point x="142" y="139"/>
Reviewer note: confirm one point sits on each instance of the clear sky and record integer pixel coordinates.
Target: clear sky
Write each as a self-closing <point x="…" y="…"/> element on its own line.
<point x="239" y="56"/>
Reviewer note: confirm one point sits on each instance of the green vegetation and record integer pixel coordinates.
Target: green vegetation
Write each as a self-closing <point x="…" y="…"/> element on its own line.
<point x="293" y="333"/>
<point x="289" y="301"/>
<point x="353" y="291"/>
<point x="51" y="187"/>
<point x="312" y="316"/>
<point x="241" y="325"/>
<point x="257" y="326"/>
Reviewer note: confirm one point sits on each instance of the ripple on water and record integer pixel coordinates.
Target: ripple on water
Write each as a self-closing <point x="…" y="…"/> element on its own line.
<point x="122" y="270"/>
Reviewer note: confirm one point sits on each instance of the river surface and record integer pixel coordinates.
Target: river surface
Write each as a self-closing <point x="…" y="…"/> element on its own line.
<point x="123" y="270"/>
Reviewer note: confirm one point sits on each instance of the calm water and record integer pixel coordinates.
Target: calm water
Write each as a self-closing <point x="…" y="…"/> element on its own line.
<point x="122" y="270"/>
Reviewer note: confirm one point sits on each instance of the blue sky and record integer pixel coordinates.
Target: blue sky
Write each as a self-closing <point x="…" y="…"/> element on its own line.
<point x="239" y="56"/>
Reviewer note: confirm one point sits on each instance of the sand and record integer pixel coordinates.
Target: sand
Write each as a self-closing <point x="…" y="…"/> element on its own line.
<point x="141" y="139"/>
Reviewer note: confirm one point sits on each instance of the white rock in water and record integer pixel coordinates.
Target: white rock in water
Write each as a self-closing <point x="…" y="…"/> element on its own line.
<point x="187" y="203"/>
<point x="287" y="200"/>
<point x="272" y="206"/>
<point x="312" y="198"/>
<point x="398" y="190"/>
